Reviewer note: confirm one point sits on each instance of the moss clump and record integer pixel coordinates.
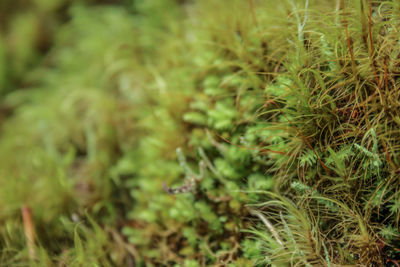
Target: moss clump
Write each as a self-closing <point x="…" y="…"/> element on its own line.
<point x="219" y="133"/>
<point x="335" y="102"/>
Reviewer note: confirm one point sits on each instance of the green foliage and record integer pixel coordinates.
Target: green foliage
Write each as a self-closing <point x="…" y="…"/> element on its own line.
<point x="142" y="135"/>
<point x="341" y="156"/>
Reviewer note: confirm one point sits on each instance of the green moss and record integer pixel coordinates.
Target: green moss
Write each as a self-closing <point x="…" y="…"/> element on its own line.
<point x="222" y="101"/>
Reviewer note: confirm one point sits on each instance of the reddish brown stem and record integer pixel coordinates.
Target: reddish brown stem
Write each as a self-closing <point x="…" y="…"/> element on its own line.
<point x="29" y="230"/>
<point x="385" y="75"/>
<point x="253" y="13"/>
<point x="364" y="24"/>
<point x="371" y="45"/>
<point x="349" y="46"/>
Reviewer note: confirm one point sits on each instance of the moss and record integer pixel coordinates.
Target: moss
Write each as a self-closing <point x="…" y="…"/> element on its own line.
<point x="218" y="133"/>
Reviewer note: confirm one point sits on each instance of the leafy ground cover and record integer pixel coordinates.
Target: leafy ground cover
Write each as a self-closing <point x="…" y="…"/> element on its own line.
<point x="200" y="133"/>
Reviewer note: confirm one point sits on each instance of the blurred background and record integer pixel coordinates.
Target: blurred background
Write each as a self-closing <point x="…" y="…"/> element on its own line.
<point x="95" y="98"/>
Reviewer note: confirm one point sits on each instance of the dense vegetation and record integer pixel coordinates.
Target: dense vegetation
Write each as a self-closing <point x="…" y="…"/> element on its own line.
<point x="199" y="133"/>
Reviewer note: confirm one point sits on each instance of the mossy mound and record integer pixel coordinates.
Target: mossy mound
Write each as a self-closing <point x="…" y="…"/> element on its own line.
<point x="204" y="133"/>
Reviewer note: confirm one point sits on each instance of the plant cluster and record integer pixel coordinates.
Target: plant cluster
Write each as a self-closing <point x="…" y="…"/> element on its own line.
<point x="219" y="133"/>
